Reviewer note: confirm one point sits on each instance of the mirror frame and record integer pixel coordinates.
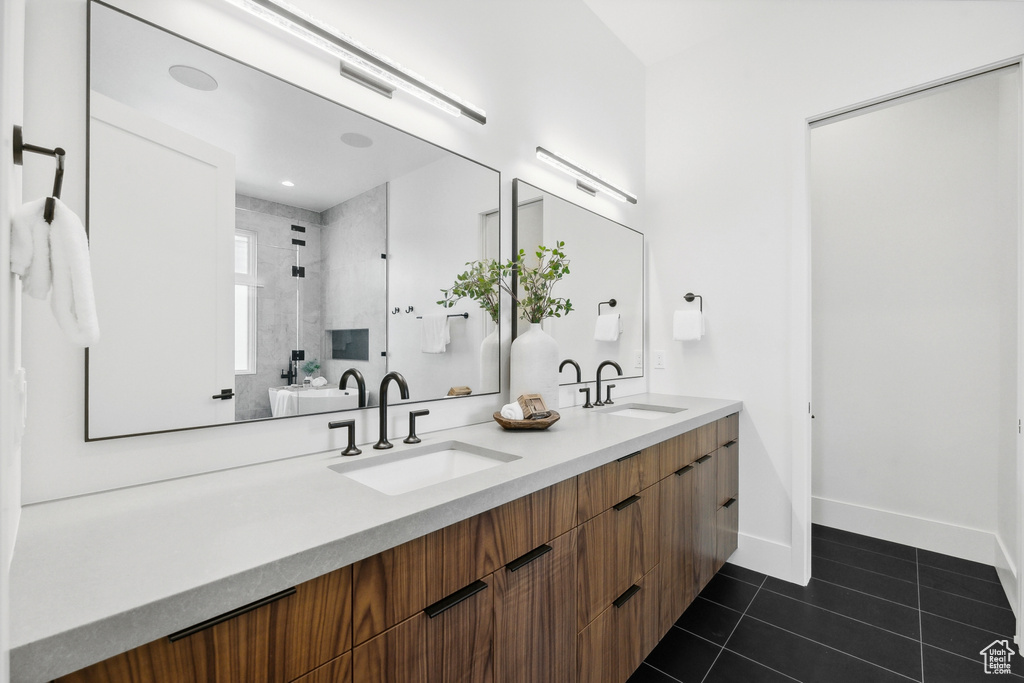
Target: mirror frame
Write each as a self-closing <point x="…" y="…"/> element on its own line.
<point x="643" y="271"/>
<point x="502" y="355"/>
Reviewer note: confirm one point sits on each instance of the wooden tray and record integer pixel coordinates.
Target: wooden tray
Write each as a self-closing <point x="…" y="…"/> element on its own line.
<point x="542" y="423"/>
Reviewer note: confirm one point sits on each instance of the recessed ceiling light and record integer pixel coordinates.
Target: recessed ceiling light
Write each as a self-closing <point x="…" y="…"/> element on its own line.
<point x="356" y="140"/>
<point x="287" y="183"/>
<point x="193" y="77"/>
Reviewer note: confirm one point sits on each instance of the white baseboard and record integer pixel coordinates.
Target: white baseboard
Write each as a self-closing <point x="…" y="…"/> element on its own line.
<point x="940" y="537"/>
<point x="768" y="557"/>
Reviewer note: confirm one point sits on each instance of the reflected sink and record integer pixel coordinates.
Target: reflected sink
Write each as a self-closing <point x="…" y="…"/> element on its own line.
<point x="416" y="468"/>
<point x="641" y="411"/>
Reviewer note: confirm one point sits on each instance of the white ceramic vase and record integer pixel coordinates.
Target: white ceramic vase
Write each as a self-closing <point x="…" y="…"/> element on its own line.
<point x="535" y="366"/>
<point x="489" y="374"/>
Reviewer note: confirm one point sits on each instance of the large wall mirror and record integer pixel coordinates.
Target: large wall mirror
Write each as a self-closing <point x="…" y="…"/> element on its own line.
<point x="606" y="263"/>
<point x="235" y="218"/>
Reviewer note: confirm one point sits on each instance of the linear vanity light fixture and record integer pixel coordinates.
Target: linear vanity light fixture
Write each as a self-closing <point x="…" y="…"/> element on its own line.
<point x="586" y="180"/>
<point x="381" y="74"/>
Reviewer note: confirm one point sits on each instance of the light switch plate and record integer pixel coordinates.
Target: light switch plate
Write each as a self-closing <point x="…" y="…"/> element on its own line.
<point x="659" y="360"/>
<point x="638" y="359"/>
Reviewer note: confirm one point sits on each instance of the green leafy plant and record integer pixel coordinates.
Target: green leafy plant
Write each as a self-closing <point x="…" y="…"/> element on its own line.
<point x="310" y="366"/>
<point x="486" y="279"/>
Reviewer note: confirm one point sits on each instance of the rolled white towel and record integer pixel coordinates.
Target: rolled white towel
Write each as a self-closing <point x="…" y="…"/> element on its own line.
<point x="319" y="381"/>
<point x="512" y="411"/>
<point x="608" y="327"/>
<point x="687" y="325"/>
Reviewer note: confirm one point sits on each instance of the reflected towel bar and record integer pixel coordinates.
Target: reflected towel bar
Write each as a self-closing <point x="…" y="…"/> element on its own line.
<point x="450" y="315"/>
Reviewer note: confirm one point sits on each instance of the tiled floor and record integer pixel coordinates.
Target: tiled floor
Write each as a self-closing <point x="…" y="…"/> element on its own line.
<point x="874" y="611"/>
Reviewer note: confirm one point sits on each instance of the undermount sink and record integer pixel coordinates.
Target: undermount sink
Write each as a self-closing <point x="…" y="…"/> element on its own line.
<point x="642" y="411"/>
<point x="416" y="468"/>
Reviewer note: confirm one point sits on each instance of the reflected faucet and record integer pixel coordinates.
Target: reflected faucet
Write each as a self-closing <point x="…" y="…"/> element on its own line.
<point x="360" y="382"/>
<point x="382" y="406"/>
<point x="292" y="373"/>
<point x="601" y="367"/>
<point x="570" y="361"/>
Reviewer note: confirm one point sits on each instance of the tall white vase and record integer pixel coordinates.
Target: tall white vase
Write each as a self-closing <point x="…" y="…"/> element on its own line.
<point x="535" y="366"/>
<point x="490" y="376"/>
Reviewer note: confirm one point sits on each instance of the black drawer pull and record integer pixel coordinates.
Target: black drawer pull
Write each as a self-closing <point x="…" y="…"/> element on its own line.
<point x="455" y="598"/>
<point x="701" y="461"/>
<point x="627" y="457"/>
<point x="680" y="472"/>
<point x="626" y="503"/>
<point x="522" y="561"/>
<point x="624" y="598"/>
<point x="224" y="394"/>
<point x="202" y="626"/>
<point x="729" y="503"/>
<point x="730" y="444"/>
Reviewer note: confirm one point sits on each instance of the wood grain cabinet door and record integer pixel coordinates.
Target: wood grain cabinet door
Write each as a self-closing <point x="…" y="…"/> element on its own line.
<point x="535" y="615"/>
<point x="705" y="507"/>
<point x="728" y="471"/>
<point x="605" y="486"/>
<point x="677" y="544"/>
<point x="273" y="641"/>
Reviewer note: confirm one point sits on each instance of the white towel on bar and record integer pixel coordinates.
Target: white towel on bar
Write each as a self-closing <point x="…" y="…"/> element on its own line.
<point x="687" y="325"/>
<point x="434" y="334"/>
<point x="58" y="259"/>
<point x="608" y="327"/>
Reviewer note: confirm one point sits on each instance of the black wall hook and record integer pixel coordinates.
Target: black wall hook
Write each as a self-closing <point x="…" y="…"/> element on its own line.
<point x="20" y="147"/>
<point x="690" y="296"/>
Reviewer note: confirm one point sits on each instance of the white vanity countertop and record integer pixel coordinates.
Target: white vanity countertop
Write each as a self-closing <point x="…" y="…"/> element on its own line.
<point x="97" y="575"/>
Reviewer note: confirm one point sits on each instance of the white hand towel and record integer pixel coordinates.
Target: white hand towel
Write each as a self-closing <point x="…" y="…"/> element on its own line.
<point x="319" y="381"/>
<point x="687" y="325"/>
<point x="434" y="335"/>
<point x="72" y="300"/>
<point x="512" y="411"/>
<point x="608" y="327"/>
<point x="30" y="248"/>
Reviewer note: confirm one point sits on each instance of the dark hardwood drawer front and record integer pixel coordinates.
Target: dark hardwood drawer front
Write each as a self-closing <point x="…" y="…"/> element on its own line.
<point x="728" y="473"/>
<point x="605" y="486"/>
<point x="486" y="542"/>
<point x="728" y="429"/>
<point x="678" y="452"/>
<point x="707" y="438"/>
<point x="277" y="641"/>
<point x="615" y="549"/>
<point x="612" y="646"/>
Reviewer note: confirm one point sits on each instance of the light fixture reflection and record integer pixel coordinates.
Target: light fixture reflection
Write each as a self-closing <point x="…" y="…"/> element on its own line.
<point x="586" y="180"/>
<point x="291" y="19"/>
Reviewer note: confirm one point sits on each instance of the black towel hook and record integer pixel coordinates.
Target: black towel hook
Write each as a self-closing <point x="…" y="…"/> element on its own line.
<point x="690" y="296"/>
<point x="20" y="147"/>
<point x="610" y="302"/>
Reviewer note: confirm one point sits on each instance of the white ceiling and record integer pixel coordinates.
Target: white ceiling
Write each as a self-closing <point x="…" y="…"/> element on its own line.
<point x="276" y="131"/>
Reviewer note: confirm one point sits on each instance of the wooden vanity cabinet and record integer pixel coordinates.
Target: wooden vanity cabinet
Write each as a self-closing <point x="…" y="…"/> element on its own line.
<point x="278" y="640"/>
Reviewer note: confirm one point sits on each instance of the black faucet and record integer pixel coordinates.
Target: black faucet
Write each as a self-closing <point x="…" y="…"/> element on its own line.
<point x="292" y="373"/>
<point x="601" y="367"/>
<point x="382" y="406"/>
<point x="570" y="361"/>
<point x="360" y="382"/>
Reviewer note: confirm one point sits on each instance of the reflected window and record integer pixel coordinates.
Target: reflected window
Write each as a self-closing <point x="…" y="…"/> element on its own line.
<point x="245" y="302"/>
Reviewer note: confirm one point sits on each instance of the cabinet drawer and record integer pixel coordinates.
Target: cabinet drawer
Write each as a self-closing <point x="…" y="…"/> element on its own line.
<point x="728" y="429"/>
<point x="678" y="516"/>
<point x="728" y="471"/>
<point x="338" y="670"/>
<point x="615" y="549"/>
<point x="726" y="531"/>
<point x="452" y="646"/>
<point x="616" y="642"/>
<point x="707" y="439"/>
<point x="276" y="641"/>
<point x="535" y="615"/>
<point x="486" y="542"/>
<point x="678" y="452"/>
<point x="605" y="486"/>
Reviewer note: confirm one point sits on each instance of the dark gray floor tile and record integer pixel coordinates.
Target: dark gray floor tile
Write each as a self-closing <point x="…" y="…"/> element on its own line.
<point x="955" y="564"/>
<point x="729" y="592"/>
<point x="879" y="585"/>
<point x="709" y="620"/>
<point x="961" y="639"/>
<point x="742" y="573"/>
<point x="875" y="611"/>
<point x="865" y="559"/>
<point x="683" y="655"/>
<point x="648" y="674"/>
<point x="732" y="668"/>
<point x="967" y="611"/>
<point x="802" y="659"/>
<point x="966" y="586"/>
<point x="943" y="667"/>
<point x="903" y="552"/>
<point x="889" y="651"/>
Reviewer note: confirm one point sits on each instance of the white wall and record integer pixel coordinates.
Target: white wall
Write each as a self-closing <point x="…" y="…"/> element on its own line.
<point x="727" y="215"/>
<point x="547" y="71"/>
<point x="11" y="67"/>
<point x="914" y="319"/>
